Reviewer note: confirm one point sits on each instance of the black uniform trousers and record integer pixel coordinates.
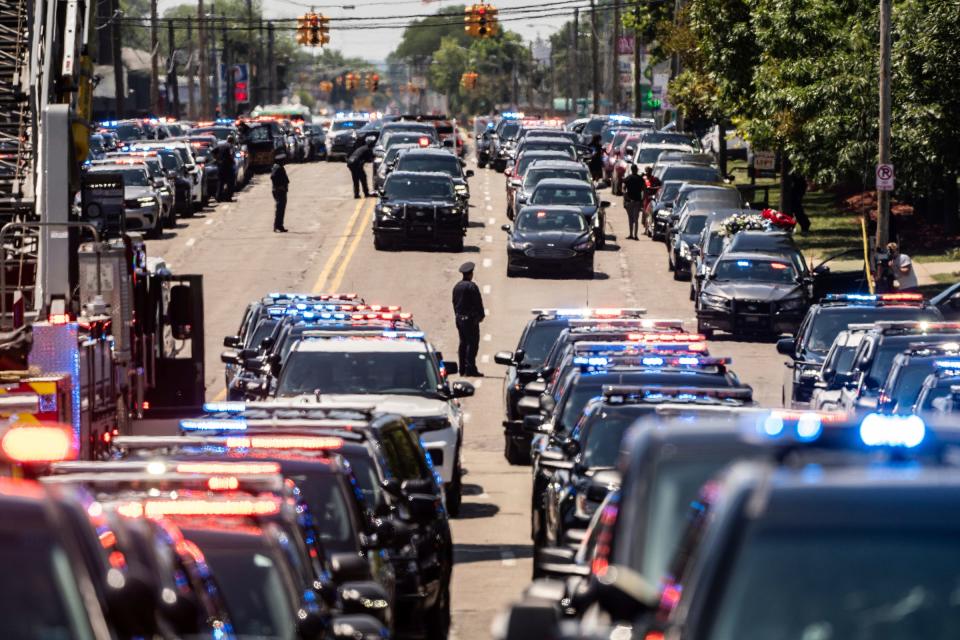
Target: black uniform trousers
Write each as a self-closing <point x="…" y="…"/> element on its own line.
<point x="280" y="197"/>
<point x="469" y="330"/>
<point x="359" y="180"/>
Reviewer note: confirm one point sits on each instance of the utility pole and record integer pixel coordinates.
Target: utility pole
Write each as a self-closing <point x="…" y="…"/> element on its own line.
<point x="637" y="61"/>
<point x="204" y="74"/>
<point x="615" y="88"/>
<point x="119" y="92"/>
<point x="173" y="84"/>
<point x="575" y="67"/>
<point x="154" y="60"/>
<point x="191" y="65"/>
<point x="258" y="86"/>
<point x="272" y="91"/>
<point x="883" y="197"/>
<point x="227" y="73"/>
<point x="594" y="56"/>
<point x="216" y="102"/>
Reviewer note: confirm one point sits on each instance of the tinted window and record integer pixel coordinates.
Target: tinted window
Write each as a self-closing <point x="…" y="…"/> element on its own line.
<point x="366" y="474"/>
<point x="534" y="175"/>
<point x="694" y="224"/>
<point x="328" y="506"/>
<point x="550" y="221"/>
<point x="594" y="126"/>
<point x="418" y="188"/>
<point x="307" y="372"/>
<point x="131" y="177"/>
<point x="403" y="458"/>
<point x="537" y="342"/>
<point x="259" y="134"/>
<point x="831" y="321"/>
<point x="755" y="271"/>
<point x="601" y="445"/>
<point x="436" y="164"/>
<point x="563" y="195"/>
<point x="510" y="131"/>
<point x="687" y="174"/>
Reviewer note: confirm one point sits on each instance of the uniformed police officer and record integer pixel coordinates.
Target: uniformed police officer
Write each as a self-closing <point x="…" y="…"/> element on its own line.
<point x="280" y="182"/>
<point x="469" y="313"/>
<point x="355" y="161"/>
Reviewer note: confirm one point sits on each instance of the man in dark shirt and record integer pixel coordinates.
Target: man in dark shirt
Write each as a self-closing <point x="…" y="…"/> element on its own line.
<point x="360" y="156"/>
<point x="280" y="181"/>
<point x="633" y="196"/>
<point x="469" y="313"/>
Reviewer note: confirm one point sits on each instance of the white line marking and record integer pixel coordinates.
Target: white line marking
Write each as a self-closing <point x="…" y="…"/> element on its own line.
<point x="489" y="207"/>
<point x="487" y="337"/>
<point x="210" y="221"/>
<point x="487" y="262"/>
<point x="486" y="288"/>
<point x="492" y="221"/>
<point x="484" y="496"/>
<point x="191" y="242"/>
<point x="467" y="416"/>
<point x="509" y="560"/>
<point x="488" y="238"/>
<point x="485" y="359"/>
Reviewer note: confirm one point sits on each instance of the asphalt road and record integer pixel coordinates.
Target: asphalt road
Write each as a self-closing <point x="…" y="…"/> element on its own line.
<point x="330" y="248"/>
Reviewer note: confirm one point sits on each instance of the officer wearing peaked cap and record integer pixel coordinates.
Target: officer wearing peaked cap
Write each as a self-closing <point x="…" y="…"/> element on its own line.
<point x="469" y="313"/>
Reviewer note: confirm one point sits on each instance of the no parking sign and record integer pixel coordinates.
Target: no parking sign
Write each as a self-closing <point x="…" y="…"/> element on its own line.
<point x="884" y="177"/>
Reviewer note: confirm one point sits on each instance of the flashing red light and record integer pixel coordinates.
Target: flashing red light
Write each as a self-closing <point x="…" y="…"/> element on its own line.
<point x="58" y="318"/>
<point x="666" y="337"/>
<point x="191" y="507"/>
<point x="778" y="265"/>
<point x="223" y="483"/>
<point x="146" y="405"/>
<point x="424" y="142"/>
<point x="229" y="468"/>
<point x="315" y="443"/>
<point x="38" y="443"/>
<point x="902" y="296"/>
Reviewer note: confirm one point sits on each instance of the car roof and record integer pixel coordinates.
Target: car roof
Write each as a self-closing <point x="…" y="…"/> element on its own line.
<point x="550" y="208"/>
<point x="564" y="182"/>
<point x="429" y="151"/>
<point x="359" y="344"/>
<point x="550" y="163"/>
<point x="755" y="256"/>
<point x="418" y="174"/>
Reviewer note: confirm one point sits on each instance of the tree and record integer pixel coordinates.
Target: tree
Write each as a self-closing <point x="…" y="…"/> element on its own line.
<point x="423" y="37"/>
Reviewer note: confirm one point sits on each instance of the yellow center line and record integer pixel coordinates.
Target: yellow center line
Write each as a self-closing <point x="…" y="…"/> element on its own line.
<point x="321" y="282"/>
<point x="358" y="235"/>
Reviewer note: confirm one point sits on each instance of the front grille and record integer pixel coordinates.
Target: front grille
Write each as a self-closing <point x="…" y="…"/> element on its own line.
<point x="419" y="214"/>
<point x="133" y="204"/>
<point x="752" y="307"/>
<point x="429" y="424"/>
<point x="550" y="252"/>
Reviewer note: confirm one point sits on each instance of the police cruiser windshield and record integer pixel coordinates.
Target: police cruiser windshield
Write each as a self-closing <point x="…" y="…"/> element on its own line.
<point x="755" y="271"/>
<point x="358" y="372"/>
<point x="550" y="221"/>
<point x="418" y="188"/>
<point x="446" y="163"/>
<point x="131" y="177"/>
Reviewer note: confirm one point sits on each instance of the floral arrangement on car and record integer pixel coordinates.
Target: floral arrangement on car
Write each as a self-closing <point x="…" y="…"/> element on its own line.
<point x="778" y="219"/>
<point x="766" y="220"/>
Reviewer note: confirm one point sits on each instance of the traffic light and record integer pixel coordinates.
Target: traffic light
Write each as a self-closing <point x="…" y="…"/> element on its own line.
<point x="240" y="94"/>
<point x="324" y="28"/>
<point x="469" y="80"/>
<point x="480" y="20"/>
<point x="373" y="82"/>
<point x="303" y="30"/>
<point x="350" y="81"/>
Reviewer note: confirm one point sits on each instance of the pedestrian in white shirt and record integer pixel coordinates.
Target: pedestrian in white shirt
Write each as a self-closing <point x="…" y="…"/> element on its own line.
<point x="905" y="278"/>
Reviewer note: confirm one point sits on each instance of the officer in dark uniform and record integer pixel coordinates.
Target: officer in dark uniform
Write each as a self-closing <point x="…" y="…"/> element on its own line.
<point x="280" y="181"/>
<point x="469" y="313"/>
<point x="360" y="156"/>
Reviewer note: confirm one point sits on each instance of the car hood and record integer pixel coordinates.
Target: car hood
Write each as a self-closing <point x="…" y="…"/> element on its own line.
<point x="556" y="238"/>
<point x="410" y="406"/>
<point x="763" y="291"/>
<point x="130" y="193"/>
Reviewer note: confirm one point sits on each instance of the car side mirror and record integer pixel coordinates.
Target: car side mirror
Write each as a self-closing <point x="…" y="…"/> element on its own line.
<point x="452" y="368"/>
<point x="462" y="389"/>
<point x="392" y="486"/>
<point x="504" y="357"/>
<point x="349" y="567"/>
<point x="528" y="406"/>
<point x="231" y="342"/>
<point x="787" y="346"/>
<point x="422" y="507"/>
<point x="821" y="270"/>
<point x="570" y="447"/>
<point x="230" y="357"/>
<point x="469" y="173"/>
<point x="547" y="403"/>
<point x="533" y="424"/>
<point x="311" y="624"/>
<point x="604" y="204"/>
<point x="506" y="227"/>
<point x="535" y="388"/>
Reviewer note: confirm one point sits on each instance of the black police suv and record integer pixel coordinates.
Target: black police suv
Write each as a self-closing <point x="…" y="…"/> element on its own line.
<point x="550" y="239"/>
<point x="419" y="207"/>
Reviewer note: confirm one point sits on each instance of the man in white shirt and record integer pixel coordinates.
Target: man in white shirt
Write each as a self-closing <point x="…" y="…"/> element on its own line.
<point x="905" y="278"/>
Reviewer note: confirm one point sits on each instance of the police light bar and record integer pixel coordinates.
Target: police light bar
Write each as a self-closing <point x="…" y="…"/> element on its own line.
<point x="153" y="508"/>
<point x="38" y="443"/>
<point x="307" y="443"/>
<point x="228" y="468"/>
<point x="285" y="295"/>
<point x="631" y="348"/>
<point x="512" y="115"/>
<point x="873" y="298"/>
<point x="916" y="325"/>
<point x="661" y="337"/>
<point x="948" y="364"/>
<point x="587" y="312"/>
<point x="652" y="361"/>
<point x="389" y="334"/>
<point x="213" y="425"/>
<point x="634" y="324"/>
<point x="617" y="394"/>
<point x="268" y="406"/>
<point x="883" y="430"/>
<point x="225" y="121"/>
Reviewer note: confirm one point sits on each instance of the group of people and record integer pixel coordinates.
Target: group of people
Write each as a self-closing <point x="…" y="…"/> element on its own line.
<point x="638" y="189"/>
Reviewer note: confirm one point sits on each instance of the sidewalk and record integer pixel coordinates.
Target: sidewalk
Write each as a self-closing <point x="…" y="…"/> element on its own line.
<point x="927" y="270"/>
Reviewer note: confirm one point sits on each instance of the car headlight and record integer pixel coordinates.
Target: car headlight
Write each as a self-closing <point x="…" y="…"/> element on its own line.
<point x="422" y="425"/>
<point x="684" y="250"/>
<point x="584" y="246"/>
<point x="712" y="300"/>
<point x="386" y="210"/>
<point x="519" y="246"/>
<point x="461" y="189"/>
<point x="793" y="304"/>
<point x="663" y="214"/>
<point x="147" y="201"/>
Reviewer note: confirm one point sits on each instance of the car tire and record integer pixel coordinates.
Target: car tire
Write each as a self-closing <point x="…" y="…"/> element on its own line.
<point x="454" y="490"/>
<point x="693" y="294"/>
<point x="514" y="454"/>
<point x="678" y="274"/>
<point x="156" y="232"/>
<point x="379" y="243"/>
<point x="512" y="272"/>
<point x="437" y="623"/>
<point x="704" y="330"/>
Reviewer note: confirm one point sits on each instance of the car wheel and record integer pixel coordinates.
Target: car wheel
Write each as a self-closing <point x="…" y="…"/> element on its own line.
<point x="454" y="490"/>
<point x="457" y="245"/>
<point x="437" y="625"/>
<point x="704" y="330"/>
<point x="379" y="243"/>
<point x="512" y="272"/>
<point x="678" y="274"/>
<point x="156" y="231"/>
<point x="513" y="453"/>
<point x="693" y="294"/>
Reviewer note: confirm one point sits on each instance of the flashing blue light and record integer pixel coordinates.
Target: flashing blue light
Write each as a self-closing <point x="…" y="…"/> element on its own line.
<point x="238" y="424"/>
<point x="879" y="430"/>
<point x="809" y="427"/>
<point x="593" y="361"/>
<point x="511" y="115"/>
<point x="688" y="360"/>
<point x="743" y="263"/>
<point x="301" y="306"/>
<point x="617" y="117"/>
<point x="224" y="407"/>
<point x="947" y="364"/>
<point x="308" y="315"/>
<point x="652" y="361"/>
<point x="686" y="396"/>
<point x="224" y="121"/>
<point x="852" y="297"/>
<point x="772" y="425"/>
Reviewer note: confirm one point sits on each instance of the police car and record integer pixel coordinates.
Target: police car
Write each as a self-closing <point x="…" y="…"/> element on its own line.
<point x="396" y="372"/>
<point x="419" y="207"/>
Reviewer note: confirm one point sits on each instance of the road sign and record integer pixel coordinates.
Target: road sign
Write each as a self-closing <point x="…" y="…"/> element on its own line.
<point x="884" y="177"/>
<point x="764" y="160"/>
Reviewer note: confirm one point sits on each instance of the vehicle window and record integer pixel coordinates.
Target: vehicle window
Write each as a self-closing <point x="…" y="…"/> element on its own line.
<point x="837" y="587"/>
<point x="563" y="195"/>
<point x="888" y="350"/>
<point x="534" y="176"/>
<point x="694" y="224"/>
<point x="715" y="244"/>
<point x="841" y="360"/>
<point x="254" y="590"/>
<point x="602" y="446"/>
<point x="128" y="132"/>
<point x="537" y="342"/>
<point x="829" y="322"/>
<point x="906" y="386"/>
<point x="331" y="515"/>
<point x="307" y="372"/>
<point x="687" y="173"/>
<point x="366" y="473"/>
<point x="39" y="597"/>
<point x="510" y="131"/>
<point x="220" y="132"/>
<point x="562" y="147"/>
<point x="402" y="137"/>
<point x="755" y="271"/>
<point x="262" y="331"/>
<point x="96" y="144"/>
<point x="395" y="151"/>
<point x="434" y="164"/>
<point x="594" y="127"/>
<point x="259" y="134"/>
<point x="418" y="188"/>
<point x="935" y="393"/>
<point x="132" y="177"/>
<point x="550" y="221"/>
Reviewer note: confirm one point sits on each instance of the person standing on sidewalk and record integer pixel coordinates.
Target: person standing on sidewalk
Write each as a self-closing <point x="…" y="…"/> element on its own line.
<point x="634" y="188"/>
<point x="280" y="182"/>
<point x="360" y="156"/>
<point x="469" y="313"/>
<point x="901" y="266"/>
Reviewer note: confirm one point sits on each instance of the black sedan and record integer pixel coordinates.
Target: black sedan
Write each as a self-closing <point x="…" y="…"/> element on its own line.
<point x="550" y="238"/>
<point x="574" y="193"/>
<point x="752" y="293"/>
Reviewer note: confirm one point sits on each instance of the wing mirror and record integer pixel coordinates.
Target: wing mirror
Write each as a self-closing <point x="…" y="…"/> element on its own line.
<point x="505" y="358"/>
<point x="469" y="173"/>
<point x="349" y="567"/>
<point x="506" y="227"/>
<point x="786" y="346"/>
<point x="547" y="403"/>
<point x="462" y="389"/>
<point x="231" y="342"/>
<point x="535" y="388"/>
<point x="604" y="204"/>
<point x="422" y="508"/>
<point x="230" y="357"/>
<point x="528" y="406"/>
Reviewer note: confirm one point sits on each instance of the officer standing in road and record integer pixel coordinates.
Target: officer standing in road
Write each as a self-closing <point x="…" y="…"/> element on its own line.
<point x="280" y="181"/>
<point x="469" y="313"/>
<point x="360" y="156"/>
<point x="225" y="169"/>
<point x="633" y="198"/>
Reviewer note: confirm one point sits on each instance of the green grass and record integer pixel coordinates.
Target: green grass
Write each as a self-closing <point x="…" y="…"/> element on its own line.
<point x="951" y="255"/>
<point x="946" y="278"/>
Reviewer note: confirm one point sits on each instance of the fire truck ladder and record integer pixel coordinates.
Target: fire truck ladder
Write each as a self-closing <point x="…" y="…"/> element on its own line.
<point x="17" y="135"/>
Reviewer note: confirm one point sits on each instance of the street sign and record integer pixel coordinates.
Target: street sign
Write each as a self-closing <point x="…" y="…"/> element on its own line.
<point x="885" y="177"/>
<point x="764" y="160"/>
<point x="625" y="45"/>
